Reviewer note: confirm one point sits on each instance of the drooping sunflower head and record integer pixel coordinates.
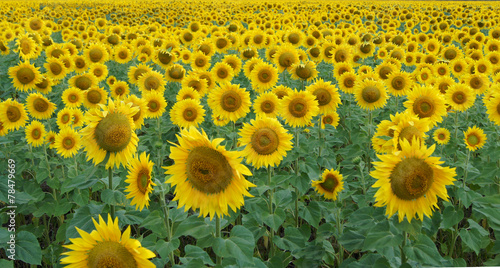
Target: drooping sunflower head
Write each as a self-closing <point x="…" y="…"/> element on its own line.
<point x="206" y="176"/>
<point x="370" y="94"/>
<point x="175" y="73"/>
<point x="474" y="138"/>
<point x="331" y="183"/>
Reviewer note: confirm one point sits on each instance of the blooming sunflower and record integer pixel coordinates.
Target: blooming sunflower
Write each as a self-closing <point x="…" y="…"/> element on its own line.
<point x="266" y="142"/>
<point x="298" y="108"/>
<point x="140" y="184"/>
<point x="266" y="104"/>
<point x="110" y="130"/>
<point x="474" y="138"/>
<point x="370" y="94"/>
<point x="399" y="83"/>
<point x="175" y="73"/>
<point x="478" y="82"/>
<point x="410" y="182"/>
<point x="122" y="54"/>
<point x="94" y="96"/>
<point x="407" y="127"/>
<point x="119" y="89"/>
<point x="50" y="139"/>
<point x="441" y="136"/>
<point x="347" y="82"/>
<point x="135" y="72"/>
<point x="425" y="101"/>
<point x="207" y="176"/>
<point x="286" y="55"/>
<point x="25" y="76"/>
<point x="72" y="97"/>
<point x="96" y="53"/>
<point x="460" y="97"/>
<point x="151" y="81"/>
<point x="493" y="109"/>
<point x="263" y="76"/>
<point x="187" y="113"/>
<point x="326" y="94"/>
<point x="39" y="106"/>
<point x="330" y="119"/>
<point x="200" y="61"/>
<point x="330" y="185"/>
<point x="67" y="142"/>
<point x="155" y="103"/>
<point x="195" y="83"/>
<point x="12" y="114"/>
<point x="55" y="68"/>
<point x="305" y="72"/>
<point x="229" y="101"/>
<point x="35" y="133"/>
<point x="107" y="247"/>
<point x="187" y="93"/>
<point x="83" y="81"/>
<point x="222" y="73"/>
<point x="99" y="70"/>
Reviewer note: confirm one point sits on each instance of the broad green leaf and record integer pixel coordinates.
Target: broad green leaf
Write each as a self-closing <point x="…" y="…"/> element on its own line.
<point x="196" y="253"/>
<point x="352" y="240"/>
<point x="193" y="226"/>
<point x="293" y="240"/>
<point x="132" y="216"/>
<point x="283" y="197"/>
<point x="155" y="223"/>
<point x="382" y="236"/>
<point x="451" y="217"/>
<point x="6" y="264"/>
<point x="113" y="197"/>
<point x="28" y="248"/>
<point x="164" y="248"/>
<point x="240" y="245"/>
<point x="311" y="213"/>
<point x="491" y="214"/>
<point x="424" y="251"/>
<point x="276" y="219"/>
<point x="475" y="237"/>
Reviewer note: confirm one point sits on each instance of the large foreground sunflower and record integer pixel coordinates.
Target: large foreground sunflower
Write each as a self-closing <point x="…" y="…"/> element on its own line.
<point x="266" y="142"/>
<point x="110" y="130"/>
<point x="330" y="185"/>
<point x="410" y="182"/>
<point x="107" y="247"/>
<point x="140" y="184"/>
<point x="206" y="176"/>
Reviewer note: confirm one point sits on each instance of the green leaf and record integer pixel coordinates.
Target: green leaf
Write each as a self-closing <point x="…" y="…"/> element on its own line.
<point x="423" y="251"/>
<point x="294" y="239"/>
<point x="352" y="240"/>
<point x="132" y="217"/>
<point x="274" y="220"/>
<point x="311" y="213"/>
<point x="155" y="223"/>
<point x="6" y="264"/>
<point x="113" y="197"/>
<point x="475" y="237"/>
<point x="164" y="248"/>
<point x="196" y="253"/>
<point x="283" y="197"/>
<point x="28" y="248"/>
<point x="239" y="245"/>
<point x="381" y="236"/>
<point x="193" y="226"/>
<point x="451" y="217"/>
<point x="491" y="215"/>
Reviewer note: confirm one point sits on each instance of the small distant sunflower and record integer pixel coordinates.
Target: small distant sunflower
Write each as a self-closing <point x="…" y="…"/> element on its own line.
<point x="94" y="96"/>
<point x="140" y="184"/>
<point x="119" y="89"/>
<point x="222" y="73"/>
<point x="326" y="94"/>
<point x="72" y="97"/>
<point x="330" y="185"/>
<point x="266" y="142"/>
<point x="425" y="101"/>
<point x="493" y="109"/>
<point x="399" y="83"/>
<point x="151" y="81"/>
<point x="107" y="247"/>
<point x="229" y="101"/>
<point x="50" y="139"/>
<point x="155" y="103"/>
<point x="27" y="47"/>
<point x="298" y="108"/>
<point x="187" y="93"/>
<point x="460" y="97"/>
<point x="99" y="70"/>
<point x="200" y="61"/>
<point x="441" y="136"/>
<point x="110" y="130"/>
<point x="12" y="114"/>
<point x="411" y="181"/>
<point x="330" y="119"/>
<point x="187" y="113"/>
<point x="67" y="142"/>
<point x="458" y="67"/>
<point x="207" y="76"/>
<point x="370" y="94"/>
<point x="64" y="117"/>
<point x="25" y="76"/>
<point x="195" y="83"/>
<point x="266" y="104"/>
<point x="304" y="72"/>
<point x="474" y="138"/>
<point x="35" y="133"/>
<point x="96" y="53"/>
<point x="206" y="176"/>
<point x="122" y="54"/>
<point x="80" y="63"/>
<point x="39" y="106"/>
<point x="478" y="82"/>
<point x="263" y="77"/>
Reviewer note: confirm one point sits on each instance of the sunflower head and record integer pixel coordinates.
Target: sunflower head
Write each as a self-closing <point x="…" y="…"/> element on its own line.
<point x="330" y="185"/>
<point x="474" y="138"/>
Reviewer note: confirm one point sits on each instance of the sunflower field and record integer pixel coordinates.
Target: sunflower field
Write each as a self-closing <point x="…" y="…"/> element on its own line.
<point x="249" y="133"/>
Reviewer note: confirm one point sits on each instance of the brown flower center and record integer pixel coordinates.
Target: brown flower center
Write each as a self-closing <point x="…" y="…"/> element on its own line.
<point x="459" y="97"/>
<point x="476" y="83"/>
<point x="267" y="106"/>
<point x="40" y="105"/>
<point x="294" y="38"/>
<point x="95" y="55"/>
<point x="208" y="170"/>
<point x="13" y="114"/>
<point x="315" y="52"/>
<point x="265" y="75"/>
<point x="153" y="106"/>
<point x="151" y="83"/>
<point x="398" y="83"/>
<point x="341" y="55"/>
<point x="370" y="94"/>
<point x="68" y="143"/>
<point x="110" y="254"/>
<point x="36" y="24"/>
<point x="286" y="59"/>
<point x="323" y="96"/>
<point x="450" y="54"/>
<point x="165" y="57"/>
<point x="231" y="101"/>
<point x="83" y="82"/>
<point x="298" y="107"/>
<point x="411" y="178"/>
<point x="190" y="114"/>
<point x="143" y="179"/>
<point x="113" y="133"/>
<point x="303" y="71"/>
<point x="221" y="43"/>
<point x="55" y="68"/>
<point x="441" y="136"/>
<point x="194" y="84"/>
<point x="327" y="120"/>
<point x="331" y="182"/>
<point x="94" y="96"/>
<point x="222" y="73"/>
<point x="25" y="75"/>
<point x="265" y="141"/>
<point x="384" y="71"/>
<point x="423" y="107"/>
<point x="473" y="140"/>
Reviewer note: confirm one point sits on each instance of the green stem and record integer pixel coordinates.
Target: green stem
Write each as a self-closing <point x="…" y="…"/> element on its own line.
<point x="454" y="235"/>
<point x="466" y="168"/>
<point x="110" y="186"/>
<point x="370" y="119"/>
<point x="234" y="137"/>
<point x="31" y="153"/>
<point x="319" y="137"/>
<point x="271" y="211"/>
<point x="159" y="128"/>
<point x="218" y="235"/>
<point x="456" y="125"/>
<point x="403" y="255"/>
<point x="397" y="104"/>
<point x="166" y="211"/>
<point x="297" y="143"/>
<point x="47" y="160"/>
<point x="340" y="230"/>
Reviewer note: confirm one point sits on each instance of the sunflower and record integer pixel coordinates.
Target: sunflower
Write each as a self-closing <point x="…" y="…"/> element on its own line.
<point x="326" y="94"/>
<point x="298" y="108"/>
<point x="200" y="61"/>
<point x="110" y="130"/>
<point x="478" y="82"/>
<point x="140" y="184"/>
<point x="193" y="82"/>
<point x="83" y="81"/>
<point x="119" y="90"/>
<point x="64" y="117"/>
<point x="94" y="96"/>
<point x="304" y="72"/>
<point x="286" y="55"/>
<point x="96" y="53"/>
<point x="99" y="70"/>
<point x="155" y="103"/>
<point x="12" y="114"/>
<point x="266" y="104"/>
<point x="151" y="81"/>
<point x="164" y="58"/>
<point x="107" y="247"/>
<point x="187" y="113"/>
<point x="441" y="136"/>
<point x="370" y="94"/>
<point x="206" y="176"/>
<point x="122" y="54"/>
<point x="493" y="109"/>
<point x="55" y="68"/>
<point x="229" y="101"/>
<point x="474" y="138"/>
<point x="263" y="77"/>
<point x="460" y="97"/>
<point x="138" y="117"/>
<point x="50" y="139"/>
<point x="222" y="73"/>
<point x="330" y="119"/>
<point x="80" y="63"/>
<point x="188" y="93"/>
<point x="175" y="73"/>
<point x="25" y="76"/>
<point x="407" y="127"/>
<point x="330" y="185"/>
<point x="234" y="62"/>
<point x="399" y="83"/>
<point x="35" y="133"/>
<point x="410" y="182"/>
<point x="67" y="142"/>
<point x="458" y="67"/>
<point x="3" y="130"/>
<point x="281" y="91"/>
<point x="347" y="82"/>
<point x="72" y="97"/>
<point x="425" y="101"/>
<point x="26" y="47"/>
<point x="39" y="106"/>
